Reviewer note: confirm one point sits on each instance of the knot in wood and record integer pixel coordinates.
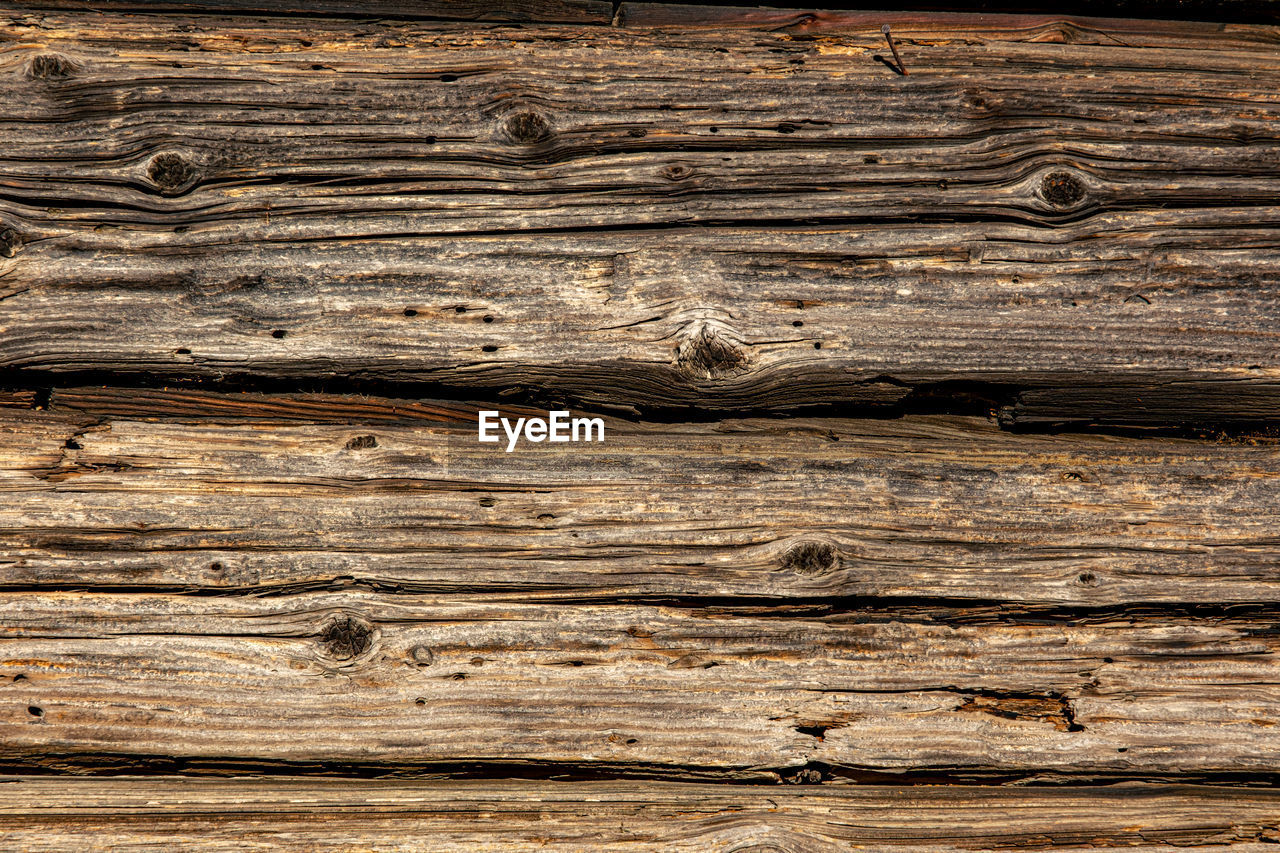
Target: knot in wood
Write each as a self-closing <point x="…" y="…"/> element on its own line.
<point x="362" y="442"/>
<point x="10" y="242"/>
<point x="809" y="558"/>
<point x="170" y="172"/>
<point x="705" y="354"/>
<point x="422" y="656"/>
<point x="346" y="637"/>
<point x="528" y="127"/>
<point x="676" y="171"/>
<point x="50" y="66"/>
<point x="1061" y="189"/>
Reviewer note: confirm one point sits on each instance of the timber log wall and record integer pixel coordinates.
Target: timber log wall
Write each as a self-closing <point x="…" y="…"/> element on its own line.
<point x="939" y="503"/>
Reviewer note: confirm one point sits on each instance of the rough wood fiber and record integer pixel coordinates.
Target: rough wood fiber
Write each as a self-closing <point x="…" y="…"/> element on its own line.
<point x="252" y="814"/>
<point x="725" y="218"/>
<point x="189" y="490"/>
<point x="1049" y="222"/>
<point x="422" y="643"/>
<point x="367" y="679"/>
<point x="542" y="11"/>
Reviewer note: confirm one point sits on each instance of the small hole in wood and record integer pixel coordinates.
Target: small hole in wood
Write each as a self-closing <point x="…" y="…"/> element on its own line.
<point x="459" y="309"/>
<point x="1087" y="579"/>
<point x="419" y="701"/>
<point x="71" y="444"/>
<point x="797" y="323"/>
<point x="215" y="567"/>
<point x="488" y="318"/>
<point x="489" y="348"/>
<point x="278" y="333"/>
<point x="448" y="78"/>
<point x="409" y="312"/>
<point x="182" y="351"/>
<point x="35" y="711"/>
<point x="817" y="345"/>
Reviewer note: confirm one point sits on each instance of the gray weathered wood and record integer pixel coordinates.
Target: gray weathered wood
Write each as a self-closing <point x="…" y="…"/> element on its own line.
<point x="171" y="489"/>
<point x="608" y="817"/>
<point x="643" y="216"/>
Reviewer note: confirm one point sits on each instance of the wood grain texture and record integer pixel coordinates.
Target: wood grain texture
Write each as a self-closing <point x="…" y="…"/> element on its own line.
<point x="581" y="12"/>
<point x="363" y="679"/>
<point x="192" y="490"/>
<point x="148" y="814"/>
<point x="725" y="218"/>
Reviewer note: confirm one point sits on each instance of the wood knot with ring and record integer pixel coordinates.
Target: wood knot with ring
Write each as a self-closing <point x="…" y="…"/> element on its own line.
<point x="10" y="242"/>
<point x="705" y="353"/>
<point x="345" y="638"/>
<point x="810" y="558"/>
<point x="51" y="66"/>
<point x="171" y="173"/>
<point x="527" y="127"/>
<point x="1061" y="189"/>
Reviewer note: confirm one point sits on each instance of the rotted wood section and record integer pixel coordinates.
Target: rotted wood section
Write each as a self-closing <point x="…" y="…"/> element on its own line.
<point x="938" y="502"/>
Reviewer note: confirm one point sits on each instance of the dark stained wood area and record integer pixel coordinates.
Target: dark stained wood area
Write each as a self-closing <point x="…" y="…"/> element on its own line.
<point x="938" y="500"/>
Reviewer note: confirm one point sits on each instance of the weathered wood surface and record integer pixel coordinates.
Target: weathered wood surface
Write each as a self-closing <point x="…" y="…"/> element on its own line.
<point x="580" y="12"/>
<point x="690" y="219"/>
<point x="727" y="218"/>
<point x="310" y="814"/>
<point x="190" y="490"/>
<point x="794" y="592"/>
<point x="376" y="680"/>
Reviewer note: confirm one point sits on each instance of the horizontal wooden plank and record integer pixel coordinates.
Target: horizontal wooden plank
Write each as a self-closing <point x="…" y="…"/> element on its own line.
<point x="291" y="814"/>
<point x="373" y="680"/>
<point x="797" y="18"/>
<point x="542" y="11"/>
<point x="648" y="217"/>
<point x="127" y="488"/>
